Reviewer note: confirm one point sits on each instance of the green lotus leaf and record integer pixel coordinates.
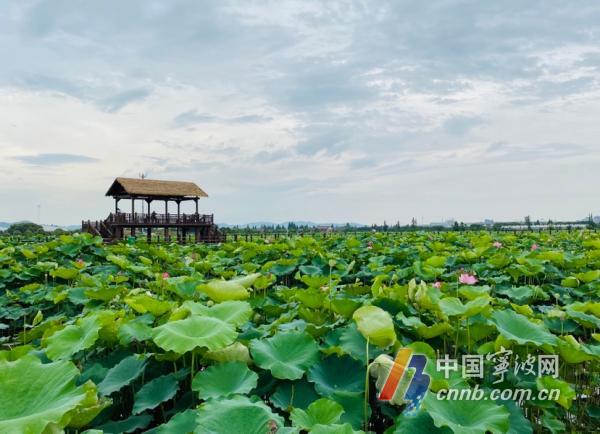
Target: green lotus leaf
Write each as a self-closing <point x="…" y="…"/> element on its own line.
<point x="578" y="312"/>
<point x="573" y="352"/>
<point x="570" y="282"/>
<point x="35" y="395"/>
<point x="353" y="343"/>
<point x="376" y="325"/>
<point x="588" y="276"/>
<point x="223" y="290"/>
<point x="233" y="312"/>
<point x="323" y="411"/>
<point x="498" y="261"/>
<point x="224" y="379"/>
<point x="519" y="328"/>
<point x="88" y="408"/>
<point x="237" y="415"/>
<point x="246" y="281"/>
<point x="236" y="352"/>
<point x="193" y="332"/>
<point x="296" y="394"/>
<point x="354" y="410"/>
<point x="567" y="394"/>
<point x="313" y="298"/>
<point x="430" y="332"/>
<point x="121" y="261"/>
<point x="122" y="374"/>
<point x="519" y="294"/>
<point x="184" y="422"/>
<point x="337" y="374"/>
<point x="283" y="269"/>
<point x="452" y="306"/>
<point x="73" y="338"/>
<point x="65" y="273"/>
<point x="518" y="424"/>
<point x="143" y="303"/>
<point x="15" y="353"/>
<point x="419" y="423"/>
<point x="553" y="425"/>
<point x="479" y="417"/>
<point x="153" y="393"/>
<point x="137" y="329"/>
<point x="129" y="425"/>
<point x="334" y="429"/>
<point x="472" y="292"/>
<point x="286" y="355"/>
<point x="344" y="306"/>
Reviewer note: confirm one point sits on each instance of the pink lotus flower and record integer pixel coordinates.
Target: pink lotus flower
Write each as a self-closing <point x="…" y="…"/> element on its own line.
<point x="467" y="279"/>
<point x="165" y="275"/>
<point x="497" y="244"/>
<point x="534" y="247"/>
<point x="437" y="284"/>
<point x="369" y="245"/>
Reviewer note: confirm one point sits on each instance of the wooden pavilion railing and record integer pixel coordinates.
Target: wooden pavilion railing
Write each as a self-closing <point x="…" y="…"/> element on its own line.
<point x="159" y="219"/>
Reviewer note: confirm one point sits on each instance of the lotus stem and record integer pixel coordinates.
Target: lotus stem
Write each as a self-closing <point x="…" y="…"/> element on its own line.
<point x="366" y="400"/>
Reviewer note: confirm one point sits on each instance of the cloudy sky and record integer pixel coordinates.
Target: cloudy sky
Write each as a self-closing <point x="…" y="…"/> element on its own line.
<point x="326" y="111"/>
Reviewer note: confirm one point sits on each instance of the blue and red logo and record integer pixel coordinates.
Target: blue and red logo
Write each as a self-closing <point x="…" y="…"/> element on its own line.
<point x="406" y="380"/>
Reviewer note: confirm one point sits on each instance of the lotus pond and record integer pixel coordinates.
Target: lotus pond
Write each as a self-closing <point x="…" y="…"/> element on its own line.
<point x="276" y="336"/>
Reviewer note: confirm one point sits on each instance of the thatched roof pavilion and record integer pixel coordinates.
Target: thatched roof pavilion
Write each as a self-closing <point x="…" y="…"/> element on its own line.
<point x="148" y="191"/>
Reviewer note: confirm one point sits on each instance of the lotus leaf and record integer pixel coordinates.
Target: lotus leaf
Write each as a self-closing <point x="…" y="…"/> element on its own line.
<point x="224" y="379"/>
<point x="122" y="374"/>
<point x="287" y="355"/>
<point x="35" y="395"/>
<point x="236" y="415"/>
<point x="323" y="411"/>
<point x="376" y="325"/>
<point x="73" y="338"/>
<point x="193" y="332"/>
<point x="478" y="417"/>
<point x="155" y="392"/>
<point x="518" y="328"/>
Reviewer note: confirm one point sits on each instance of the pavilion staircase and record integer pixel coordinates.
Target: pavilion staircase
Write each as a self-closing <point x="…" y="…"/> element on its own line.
<point x="100" y="228"/>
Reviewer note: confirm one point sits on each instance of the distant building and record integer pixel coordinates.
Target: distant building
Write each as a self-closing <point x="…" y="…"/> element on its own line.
<point x="446" y="224"/>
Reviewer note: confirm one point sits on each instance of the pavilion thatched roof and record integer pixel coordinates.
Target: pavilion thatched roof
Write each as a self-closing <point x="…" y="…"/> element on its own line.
<point x="128" y="187"/>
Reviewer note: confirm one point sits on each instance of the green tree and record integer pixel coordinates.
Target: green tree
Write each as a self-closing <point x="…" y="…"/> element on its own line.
<point x="24" y="228"/>
<point x="528" y="222"/>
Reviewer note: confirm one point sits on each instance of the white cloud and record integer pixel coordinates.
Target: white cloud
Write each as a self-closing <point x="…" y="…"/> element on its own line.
<point x="303" y="110"/>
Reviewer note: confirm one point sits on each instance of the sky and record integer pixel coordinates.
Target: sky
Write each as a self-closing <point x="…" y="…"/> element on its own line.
<point x="335" y="111"/>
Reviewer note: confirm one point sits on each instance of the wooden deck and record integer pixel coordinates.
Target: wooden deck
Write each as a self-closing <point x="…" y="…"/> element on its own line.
<point x="174" y="227"/>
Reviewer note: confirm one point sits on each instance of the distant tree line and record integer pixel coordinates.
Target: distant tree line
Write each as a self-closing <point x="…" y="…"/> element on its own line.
<point x="293" y="228"/>
<point x="30" y="229"/>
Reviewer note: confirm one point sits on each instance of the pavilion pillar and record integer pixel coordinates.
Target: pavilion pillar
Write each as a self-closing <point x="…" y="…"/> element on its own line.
<point x="166" y="220"/>
<point x="132" y="216"/>
<point x="149" y="234"/>
<point x="179" y="232"/>
<point x="116" y="205"/>
<point x="196" y="200"/>
<point x="148" y="218"/>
